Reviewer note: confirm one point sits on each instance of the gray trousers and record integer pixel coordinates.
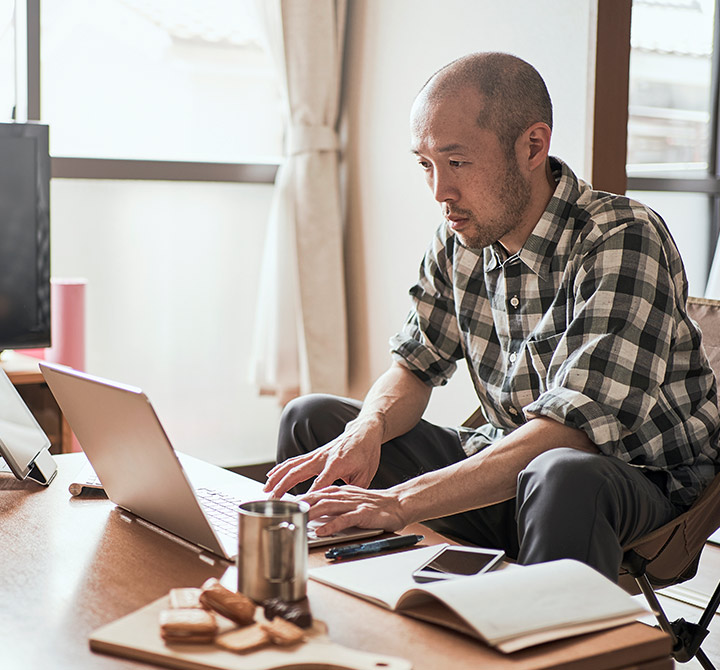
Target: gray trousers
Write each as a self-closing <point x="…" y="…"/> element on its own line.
<point x="568" y="504"/>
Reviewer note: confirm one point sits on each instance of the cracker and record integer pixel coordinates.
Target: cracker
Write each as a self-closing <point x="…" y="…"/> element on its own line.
<point x="245" y="639"/>
<point x="283" y="632"/>
<point x="234" y="606"/>
<point x="187" y="598"/>
<point x="187" y="626"/>
<point x="296" y="612"/>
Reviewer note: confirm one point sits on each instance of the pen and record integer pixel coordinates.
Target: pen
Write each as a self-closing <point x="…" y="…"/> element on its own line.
<point x="373" y="547"/>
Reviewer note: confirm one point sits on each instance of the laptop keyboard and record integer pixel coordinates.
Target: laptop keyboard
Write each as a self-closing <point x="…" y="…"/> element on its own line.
<point x="222" y="510"/>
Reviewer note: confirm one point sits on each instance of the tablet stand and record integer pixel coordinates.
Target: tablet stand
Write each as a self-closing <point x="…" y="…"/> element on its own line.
<point x="44" y="468"/>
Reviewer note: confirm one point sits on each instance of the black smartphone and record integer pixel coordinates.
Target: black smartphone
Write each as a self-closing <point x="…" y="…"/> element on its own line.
<point x="452" y="562"/>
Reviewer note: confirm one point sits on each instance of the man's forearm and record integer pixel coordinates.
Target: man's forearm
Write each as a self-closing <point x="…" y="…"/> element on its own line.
<point x="394" y="404"/>
<point x="488" y="477"/>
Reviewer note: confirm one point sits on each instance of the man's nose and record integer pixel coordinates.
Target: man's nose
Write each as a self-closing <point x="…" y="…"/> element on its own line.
<point x="444" y="188"/>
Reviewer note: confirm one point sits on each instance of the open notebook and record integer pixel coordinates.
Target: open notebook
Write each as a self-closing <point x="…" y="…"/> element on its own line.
<point x="510" y="609"/>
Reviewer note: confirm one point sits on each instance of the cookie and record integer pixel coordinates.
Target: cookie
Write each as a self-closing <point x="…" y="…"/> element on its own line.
<point x="181" y="599"/>
<point x="282" y="632"/>
<point x="187" y="626"/>
<point x="297" y="613"/>
<point x="245" y="639"/>
<point x="234" y="606"/>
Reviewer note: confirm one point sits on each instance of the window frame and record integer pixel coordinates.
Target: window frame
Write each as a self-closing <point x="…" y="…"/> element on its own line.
<point x="612" y="79"/>
<point x="68" y="167"/>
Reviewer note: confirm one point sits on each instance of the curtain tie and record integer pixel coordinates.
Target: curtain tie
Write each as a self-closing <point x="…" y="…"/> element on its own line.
<point x="306" y="139"/>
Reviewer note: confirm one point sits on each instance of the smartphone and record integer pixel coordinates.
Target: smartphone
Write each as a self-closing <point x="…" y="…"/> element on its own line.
<point x="452" y="562"/>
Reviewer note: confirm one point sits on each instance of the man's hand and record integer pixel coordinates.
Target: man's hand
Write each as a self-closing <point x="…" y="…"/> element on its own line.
<point x="354" y="506"/>
<point x="394" y="404"/>
<point x="352" y="457"/>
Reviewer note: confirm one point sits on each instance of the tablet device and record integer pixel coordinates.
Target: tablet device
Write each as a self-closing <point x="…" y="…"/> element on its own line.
<point x="23" y="443"/>
<point x="452" y="562"/>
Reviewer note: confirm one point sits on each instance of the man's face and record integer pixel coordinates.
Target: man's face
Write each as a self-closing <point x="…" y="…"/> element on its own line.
<point x="482" y="193"/>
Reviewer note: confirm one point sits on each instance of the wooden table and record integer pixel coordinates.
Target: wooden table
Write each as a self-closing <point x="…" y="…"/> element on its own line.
<point x="71" y="565"/>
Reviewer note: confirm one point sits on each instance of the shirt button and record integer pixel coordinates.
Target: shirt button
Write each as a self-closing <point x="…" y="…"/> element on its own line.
<point x="513" y="357"/>
<point x="512" y="411"/>
<point x="514" y="301"/>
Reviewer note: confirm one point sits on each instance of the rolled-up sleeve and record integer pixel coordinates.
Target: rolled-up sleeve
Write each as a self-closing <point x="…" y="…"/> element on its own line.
<point x="604" y="372"/>
<point x="429" y="342"/>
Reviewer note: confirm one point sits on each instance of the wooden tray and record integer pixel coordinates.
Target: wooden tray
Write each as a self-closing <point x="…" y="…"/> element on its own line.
<point x="137" y="636"/>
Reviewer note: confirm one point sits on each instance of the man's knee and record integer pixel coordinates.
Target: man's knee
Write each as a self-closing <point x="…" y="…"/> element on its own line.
<point x="565" y="491"/>
<point x="566" y="509"/>
<point x="563" y="476"/>
<point x="310" y="421"/>
<point x="305" y="408"/>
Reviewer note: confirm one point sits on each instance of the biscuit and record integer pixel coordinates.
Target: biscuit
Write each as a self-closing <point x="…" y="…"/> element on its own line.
<point x="283" y="632"/>
<point x="181" y="599"/>
<point x="234" y="606"/>
<point x="297" y="613"/>
<point x="187" y="626"/>
<point x="244" y="639"/>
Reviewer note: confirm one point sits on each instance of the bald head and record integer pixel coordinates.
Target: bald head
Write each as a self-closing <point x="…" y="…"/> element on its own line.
<point x="513" y="93"/>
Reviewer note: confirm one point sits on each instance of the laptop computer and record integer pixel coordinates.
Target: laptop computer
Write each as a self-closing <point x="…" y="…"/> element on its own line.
<point x="140" y="471"/>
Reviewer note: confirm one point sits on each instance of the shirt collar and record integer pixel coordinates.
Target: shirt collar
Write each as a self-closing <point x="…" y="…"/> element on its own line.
<point x="539" y="248"/>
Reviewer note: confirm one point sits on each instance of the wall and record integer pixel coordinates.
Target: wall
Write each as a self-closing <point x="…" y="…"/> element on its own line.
<point x="394" y="46"/>
<point x="172" y="282"/>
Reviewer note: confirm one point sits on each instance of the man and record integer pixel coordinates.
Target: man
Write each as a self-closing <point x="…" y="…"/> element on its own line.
<point x="569" y="307"/>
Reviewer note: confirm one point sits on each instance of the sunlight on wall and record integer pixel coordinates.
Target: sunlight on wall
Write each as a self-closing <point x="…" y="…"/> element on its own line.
<point x="172" y="282"/>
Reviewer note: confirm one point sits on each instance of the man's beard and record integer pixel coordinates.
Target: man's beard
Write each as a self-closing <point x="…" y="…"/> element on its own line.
<point x="515" y="195"/>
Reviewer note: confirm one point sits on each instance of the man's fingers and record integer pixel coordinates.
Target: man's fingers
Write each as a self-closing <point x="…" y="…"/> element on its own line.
<point x="330" y="475"/>
<point x="338" y="523"/>
<point x="331" y="508"/>
<point x="293" y="476"/>
<point x="277" y="473"/>
<point x="300" y="464"/>
<point x="324" y="479"/>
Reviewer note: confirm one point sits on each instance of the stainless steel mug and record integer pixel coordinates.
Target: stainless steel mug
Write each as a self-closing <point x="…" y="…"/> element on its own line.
<point x="272" y="555"/>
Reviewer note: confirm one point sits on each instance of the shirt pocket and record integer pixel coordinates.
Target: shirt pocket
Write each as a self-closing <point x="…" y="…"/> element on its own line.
<point x="541" y="352"/>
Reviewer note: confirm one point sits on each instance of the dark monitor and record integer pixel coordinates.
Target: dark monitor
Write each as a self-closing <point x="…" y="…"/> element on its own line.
<point x="24" y="236"/>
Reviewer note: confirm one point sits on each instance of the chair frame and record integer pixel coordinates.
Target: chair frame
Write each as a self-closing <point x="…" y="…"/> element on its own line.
<point x="686" y="636"/>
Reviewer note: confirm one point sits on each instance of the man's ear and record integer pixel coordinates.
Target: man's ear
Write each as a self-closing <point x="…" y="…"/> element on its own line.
<point x="536" y="145"/>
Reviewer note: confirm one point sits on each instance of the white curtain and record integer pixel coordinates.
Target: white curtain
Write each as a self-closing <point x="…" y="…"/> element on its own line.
<point x="300" y="330"/>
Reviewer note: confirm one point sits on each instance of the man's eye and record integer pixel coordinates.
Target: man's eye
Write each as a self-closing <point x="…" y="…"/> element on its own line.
<point x="425" y="165"/>
<point x="456" y="163"/>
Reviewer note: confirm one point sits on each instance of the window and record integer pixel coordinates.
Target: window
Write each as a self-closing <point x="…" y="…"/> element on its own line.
<point x="7" y="59"/>
<point x="672" y="121"/>
<point x="164" y="82"/>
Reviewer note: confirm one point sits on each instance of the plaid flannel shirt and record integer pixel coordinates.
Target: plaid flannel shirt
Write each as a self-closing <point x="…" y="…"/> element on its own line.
<point x="586" y="324"/>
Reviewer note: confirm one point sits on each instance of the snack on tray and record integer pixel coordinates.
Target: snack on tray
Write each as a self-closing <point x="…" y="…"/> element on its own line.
<point x="234" y="606"/>
<point x="182" y="599"/>
<point x="187" y="626"/>
<point x="245" y="639"/>
<point x="297" y="613"/>
<point x="283" y="632"/>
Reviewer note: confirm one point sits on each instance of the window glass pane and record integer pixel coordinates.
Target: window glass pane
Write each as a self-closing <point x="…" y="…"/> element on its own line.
<point x="158" y="79"/>
<point x="670" y="75"/>
<point x="7" y="59"/>
<point x="687" y="215"/>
